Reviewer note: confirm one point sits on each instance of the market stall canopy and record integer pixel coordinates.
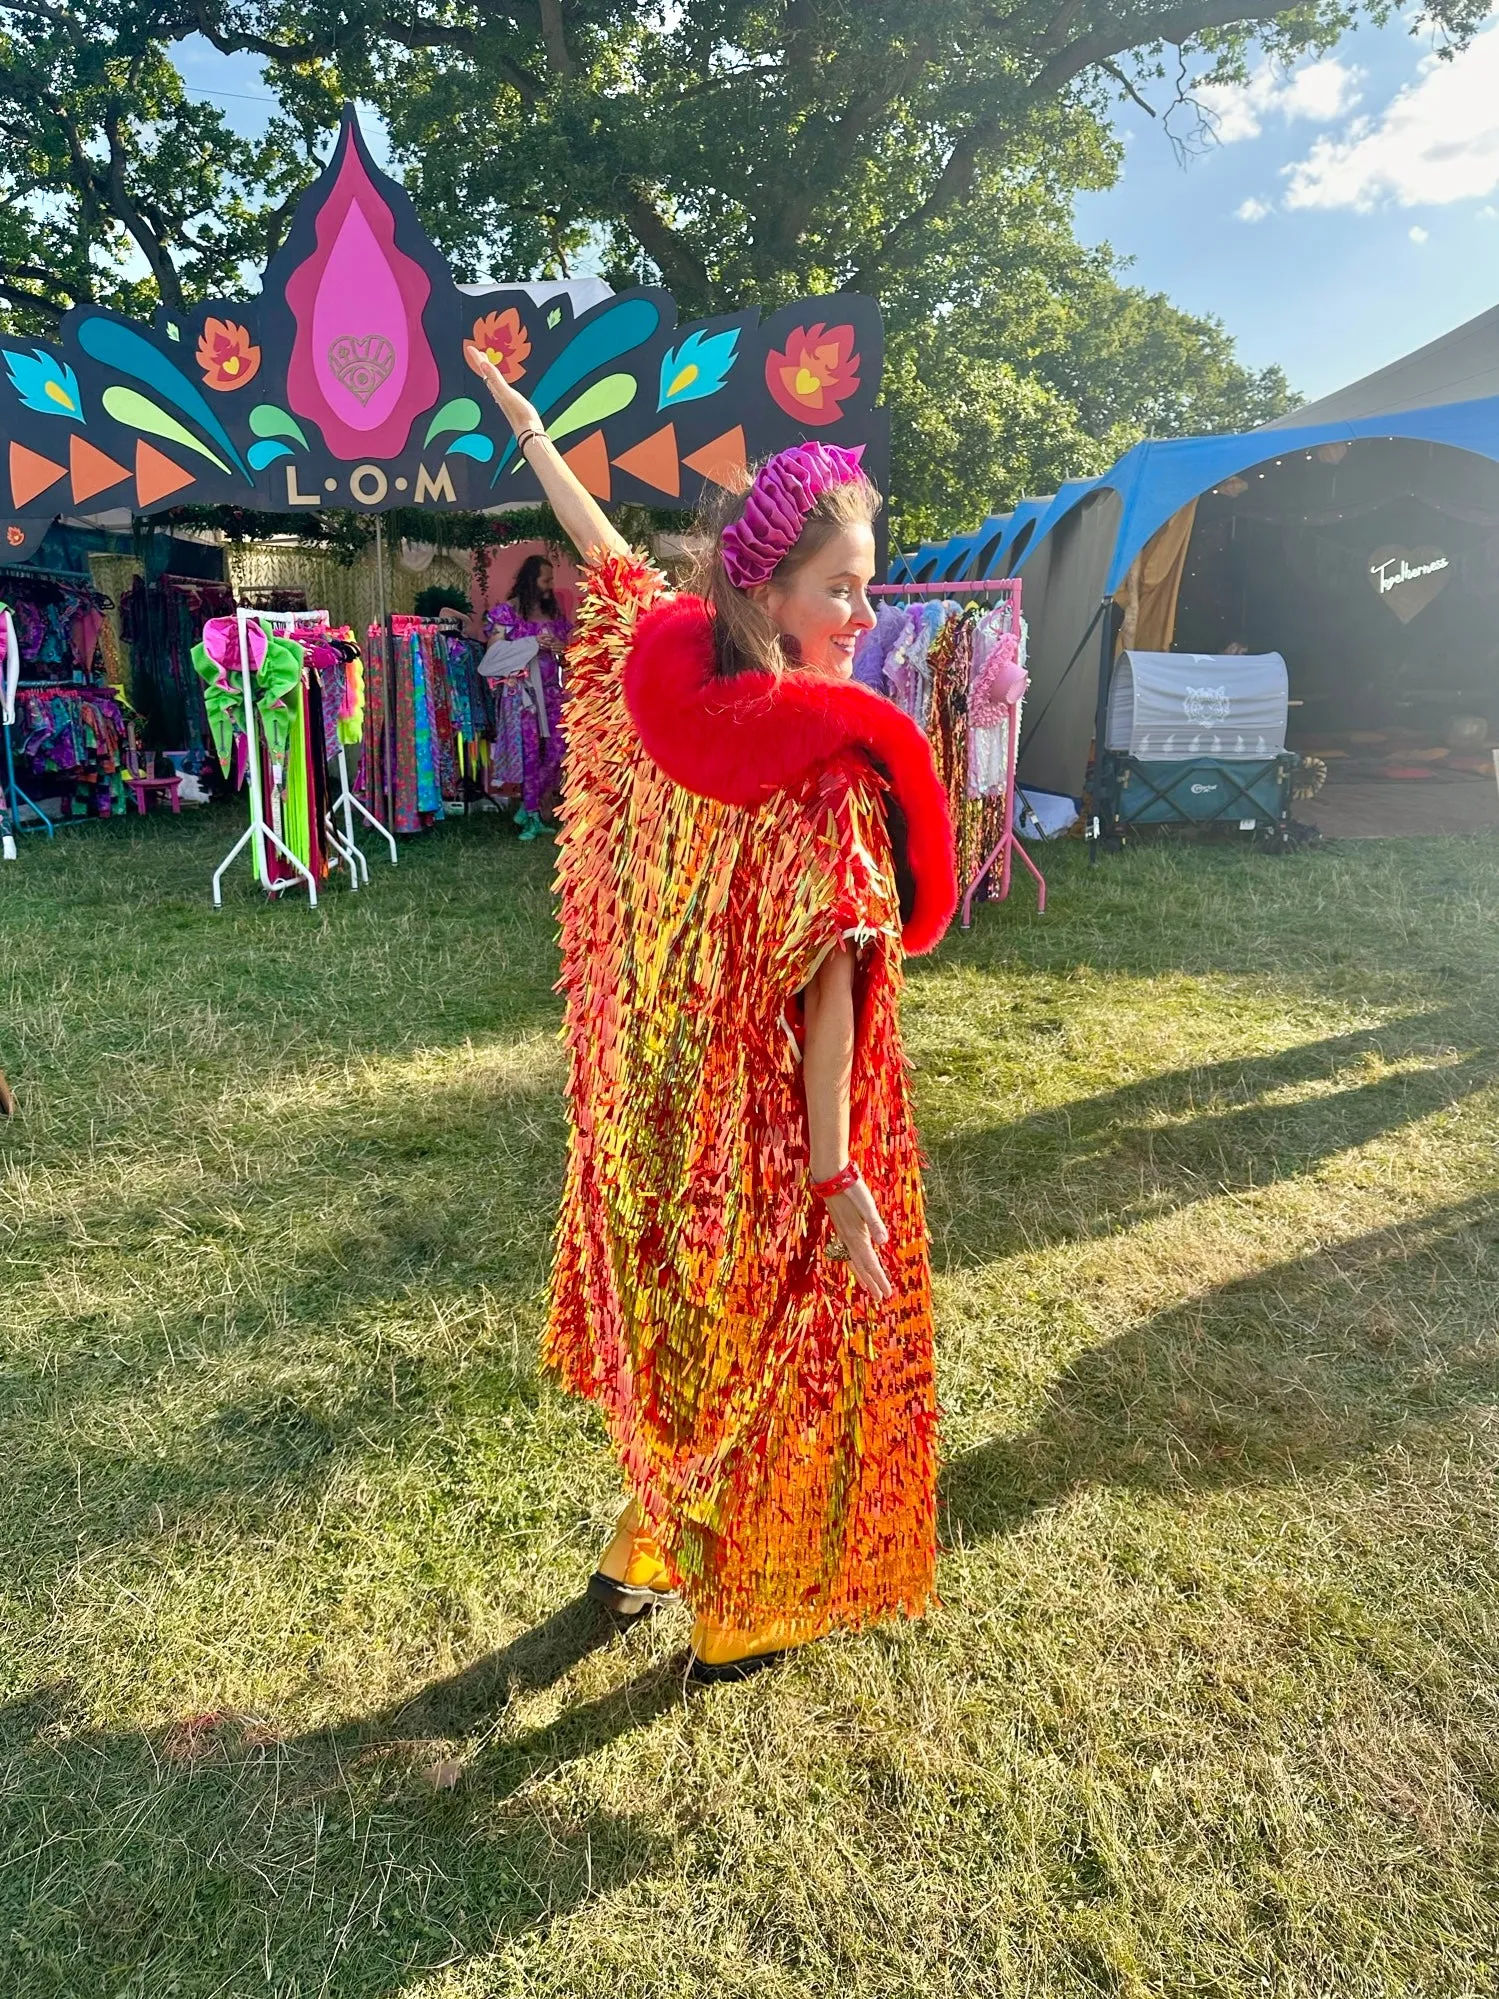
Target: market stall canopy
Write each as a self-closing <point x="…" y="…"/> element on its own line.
<point x="1444" y="393"/>
<point x="345" y="384"/>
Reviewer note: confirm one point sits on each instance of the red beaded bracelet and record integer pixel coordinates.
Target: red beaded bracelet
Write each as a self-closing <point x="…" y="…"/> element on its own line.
<point x="840" y="1183"/>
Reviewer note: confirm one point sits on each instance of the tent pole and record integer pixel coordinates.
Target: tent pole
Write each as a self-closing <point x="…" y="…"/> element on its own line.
<point x="1101" y="714"/>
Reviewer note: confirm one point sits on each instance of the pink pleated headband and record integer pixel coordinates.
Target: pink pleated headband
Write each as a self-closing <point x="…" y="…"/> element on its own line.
<point x="786" y="489"/>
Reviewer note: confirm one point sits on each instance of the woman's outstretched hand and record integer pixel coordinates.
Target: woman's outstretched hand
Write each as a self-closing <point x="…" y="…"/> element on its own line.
<point x="857" y="1225"/>
<point x="519" y="414"/>
<point x="583" y="521"/>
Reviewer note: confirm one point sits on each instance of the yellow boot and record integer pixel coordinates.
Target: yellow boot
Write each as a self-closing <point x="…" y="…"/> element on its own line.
<point x="632" y="1575"/>
<point x="721" y="1654"/>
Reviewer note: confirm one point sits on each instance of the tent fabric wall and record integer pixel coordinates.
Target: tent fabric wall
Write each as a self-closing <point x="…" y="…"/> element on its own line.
<point x="1063" y="604"/>
<point x="1154" y="480"/>
<point x="1150" y="591"/>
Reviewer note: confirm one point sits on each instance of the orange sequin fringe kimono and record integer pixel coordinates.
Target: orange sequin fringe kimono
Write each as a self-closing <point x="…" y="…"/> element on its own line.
<point x="720" y="836"/>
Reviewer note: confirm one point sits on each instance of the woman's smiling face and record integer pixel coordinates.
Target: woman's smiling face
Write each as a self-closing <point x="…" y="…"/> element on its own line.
<point x="824" y="604"/>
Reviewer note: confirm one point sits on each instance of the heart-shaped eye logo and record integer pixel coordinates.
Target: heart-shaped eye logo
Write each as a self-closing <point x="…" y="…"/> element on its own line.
<point x="362" y="363"/>
<point x="1408" y="578"/>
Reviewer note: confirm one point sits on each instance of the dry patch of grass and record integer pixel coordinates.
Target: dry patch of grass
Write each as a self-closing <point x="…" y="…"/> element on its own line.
<point x="296" y="1694"/>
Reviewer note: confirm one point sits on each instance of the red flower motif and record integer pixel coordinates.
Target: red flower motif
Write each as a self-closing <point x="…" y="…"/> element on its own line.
<point x="501" y="337"/>
<point x="815" y="374"/>
<point x="226" y="355"/>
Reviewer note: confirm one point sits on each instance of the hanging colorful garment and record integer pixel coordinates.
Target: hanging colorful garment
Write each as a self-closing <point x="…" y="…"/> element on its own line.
<point x="535" y="704"/>
<point x="777" y="1426"/>
<point x="78" y="734"/>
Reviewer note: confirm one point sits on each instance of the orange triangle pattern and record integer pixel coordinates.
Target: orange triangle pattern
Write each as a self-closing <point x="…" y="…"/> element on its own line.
<point x="655" y="461"/>
<point x="92" y="469"/>
<point x="156" y="475"/>
<point x="590" y="460"/>
<point x="725" y="460"/>
<point x="30" y="474"/>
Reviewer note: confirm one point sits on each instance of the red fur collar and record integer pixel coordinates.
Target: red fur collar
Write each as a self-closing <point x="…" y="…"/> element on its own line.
<point x="742" y="739"/>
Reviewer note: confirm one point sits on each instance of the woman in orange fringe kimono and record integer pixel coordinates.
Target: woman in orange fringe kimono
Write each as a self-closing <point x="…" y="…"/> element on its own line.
<point x="750" y="842"/>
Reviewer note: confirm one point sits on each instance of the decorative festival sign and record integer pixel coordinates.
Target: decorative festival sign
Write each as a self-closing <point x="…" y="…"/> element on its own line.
<point x="345" y="385"/>
<point x="1407" y="579"/>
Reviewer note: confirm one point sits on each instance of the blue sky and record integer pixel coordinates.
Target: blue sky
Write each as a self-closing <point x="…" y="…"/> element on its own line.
<point x="1348" y="211"/>
<point x="1343" y="213"/>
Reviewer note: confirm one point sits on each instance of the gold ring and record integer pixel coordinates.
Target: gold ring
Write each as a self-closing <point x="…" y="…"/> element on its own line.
<point x="836" y="1251"/>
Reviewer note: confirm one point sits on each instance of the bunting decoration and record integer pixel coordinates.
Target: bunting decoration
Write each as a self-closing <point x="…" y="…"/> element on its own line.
<point x="345" y="384"/>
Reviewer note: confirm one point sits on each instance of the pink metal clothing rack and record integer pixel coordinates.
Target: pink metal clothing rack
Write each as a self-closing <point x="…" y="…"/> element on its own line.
<point x="1008" y="845"/>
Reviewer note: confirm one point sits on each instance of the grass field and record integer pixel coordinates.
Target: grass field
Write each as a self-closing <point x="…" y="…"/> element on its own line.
<point x="297" y="1694"/>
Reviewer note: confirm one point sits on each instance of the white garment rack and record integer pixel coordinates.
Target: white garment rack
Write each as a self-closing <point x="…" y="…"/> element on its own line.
<point x="263" y="830"/>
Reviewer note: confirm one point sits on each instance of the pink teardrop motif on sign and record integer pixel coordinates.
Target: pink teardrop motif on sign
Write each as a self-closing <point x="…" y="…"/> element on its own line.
<point x="361" y="368"/>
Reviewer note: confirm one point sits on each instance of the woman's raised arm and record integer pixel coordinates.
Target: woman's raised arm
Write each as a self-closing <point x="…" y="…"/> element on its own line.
<point x="584" y="522"/>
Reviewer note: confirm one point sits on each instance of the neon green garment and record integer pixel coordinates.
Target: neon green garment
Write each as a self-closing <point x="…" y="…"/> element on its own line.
<point x="296" y="819"/>
<point x="350" y="727"/>
<point x="274" y="681"/>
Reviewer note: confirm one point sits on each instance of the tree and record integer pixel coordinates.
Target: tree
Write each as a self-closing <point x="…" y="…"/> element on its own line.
<point x="114" y="187"/>
<point x="745" y="149"/>
<point x="740" y="151"/>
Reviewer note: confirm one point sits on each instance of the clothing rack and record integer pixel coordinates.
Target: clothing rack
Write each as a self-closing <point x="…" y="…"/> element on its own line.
<point x="11" y="822"/>
<point x="348" y="804"/>
<point x="261" y="829"/>
<point x="1007" y="585"/>
<point x="1009" y="844"/>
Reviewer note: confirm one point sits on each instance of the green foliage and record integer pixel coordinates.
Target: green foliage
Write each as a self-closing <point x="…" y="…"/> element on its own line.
<point x="439" y="597"/>
<point x="116" y="188"/>
<point x="924" y="150"/>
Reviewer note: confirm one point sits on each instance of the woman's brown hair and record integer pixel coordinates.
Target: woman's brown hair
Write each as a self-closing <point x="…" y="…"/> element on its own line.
<point x="746" y="638"/>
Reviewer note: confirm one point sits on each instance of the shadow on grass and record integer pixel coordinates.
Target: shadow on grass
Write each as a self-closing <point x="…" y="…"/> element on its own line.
<point x="1106" y="1163"/>
<point x="1311" y="1364"/>
<point x="349" y="1861"/>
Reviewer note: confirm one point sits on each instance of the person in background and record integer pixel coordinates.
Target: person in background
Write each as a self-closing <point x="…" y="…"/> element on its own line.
<point x="750" y="844"/>
<point x="532" y="611"/>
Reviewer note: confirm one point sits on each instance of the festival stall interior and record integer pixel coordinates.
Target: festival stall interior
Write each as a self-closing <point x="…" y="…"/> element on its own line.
<point x="1356" y="542"/>
<point x="169" y="631"/>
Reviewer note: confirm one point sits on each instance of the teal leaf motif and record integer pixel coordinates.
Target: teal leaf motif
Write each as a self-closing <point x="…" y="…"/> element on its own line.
<point x="120" y="347"/>
<point x="268" y="421"/>
<point x="698" y="368"/>
<point x="460" y="414"/>
<point x="475" y="445"/>
<point x="45" y="383"/>
<point x="267" y="452"/>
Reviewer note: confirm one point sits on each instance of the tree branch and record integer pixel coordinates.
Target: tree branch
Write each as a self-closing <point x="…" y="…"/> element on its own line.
<point x="1094" y="50"/>
<point x="685" y="273"/>
<point x="1127" y="87"/>
<point x="554" y="38"/>
<point x="152" y="247"/>
<point x="31" y="300"/>
<point x="1115" y="37"/>
<point x="60" y="17"/>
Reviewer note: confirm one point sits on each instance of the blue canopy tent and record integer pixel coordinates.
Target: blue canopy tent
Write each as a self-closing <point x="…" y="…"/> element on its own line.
<point x="1422" y="433"/>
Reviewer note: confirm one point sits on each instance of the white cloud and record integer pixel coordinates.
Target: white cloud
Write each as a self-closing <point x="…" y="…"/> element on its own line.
<point x="1254" y="210"/>
<point x="1318" y="92"/>
<point x="1436" y="141"/>
<point x="1419" y="235"/>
